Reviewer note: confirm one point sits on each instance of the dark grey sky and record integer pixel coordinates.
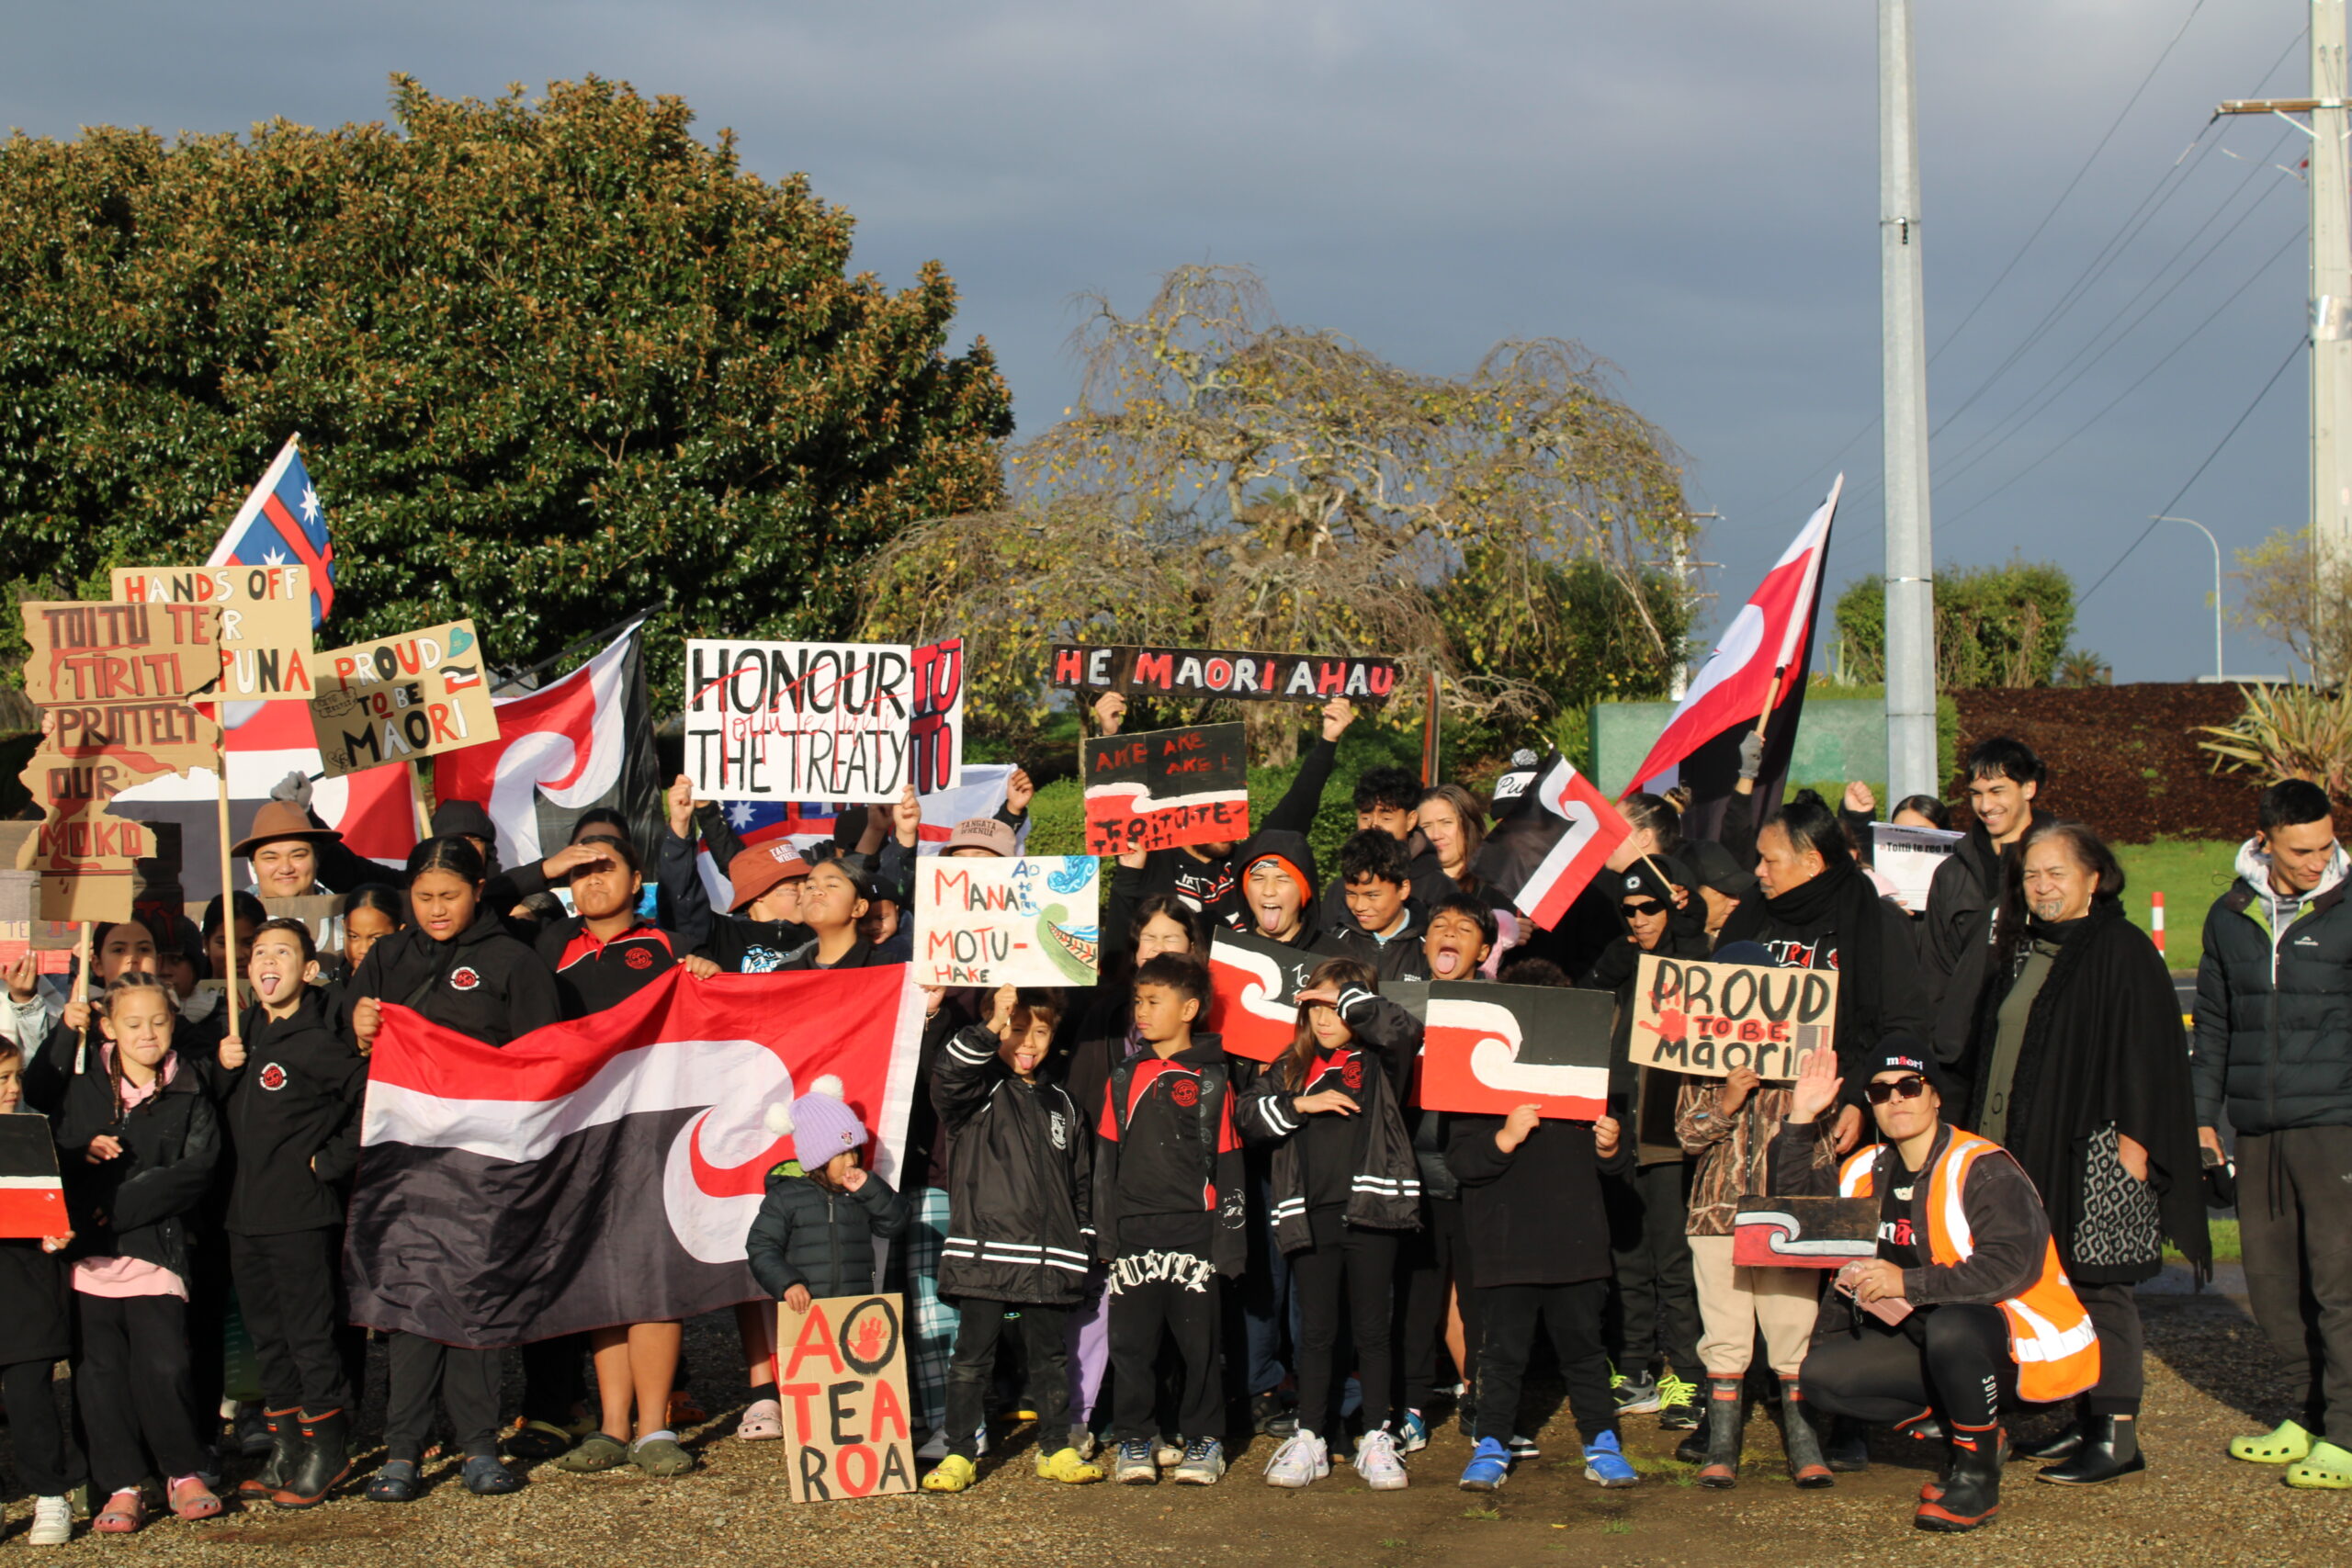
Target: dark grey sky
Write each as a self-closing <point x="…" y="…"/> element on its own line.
<point x="1689" y="187"/>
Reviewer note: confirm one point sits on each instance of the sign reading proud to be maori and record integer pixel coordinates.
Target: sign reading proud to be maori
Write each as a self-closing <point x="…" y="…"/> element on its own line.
<point x="799" y="720"/>
<point x="1711" y="1019"/>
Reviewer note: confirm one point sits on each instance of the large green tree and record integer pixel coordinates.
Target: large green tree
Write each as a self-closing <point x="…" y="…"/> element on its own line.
<point x="552" y="359"/>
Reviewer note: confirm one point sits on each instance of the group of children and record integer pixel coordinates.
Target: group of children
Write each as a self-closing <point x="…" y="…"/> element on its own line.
<point x="1153" y="1233"/>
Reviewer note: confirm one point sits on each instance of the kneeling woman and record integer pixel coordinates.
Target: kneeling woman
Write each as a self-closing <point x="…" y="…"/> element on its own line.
<point x="1965" y="1304"/>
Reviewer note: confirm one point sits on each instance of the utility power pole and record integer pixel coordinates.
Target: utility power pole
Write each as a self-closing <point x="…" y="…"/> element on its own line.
<point x="1912" y="765"/>
<point x="2331" y="291"/>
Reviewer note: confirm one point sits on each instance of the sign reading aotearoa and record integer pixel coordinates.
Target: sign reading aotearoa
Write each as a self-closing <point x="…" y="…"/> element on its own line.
<point x="1490" y="1049"/>
<point x="1711" y="1019"/>
<point x="842" y="1383"/>
<point x="799" y="720"/>
<point x="1029" y="921"/>
<point x="399" y="698"/>
<point x="1203" y="672"/>
<point x="1165" y="787"/>
<point x="265" y="621"/>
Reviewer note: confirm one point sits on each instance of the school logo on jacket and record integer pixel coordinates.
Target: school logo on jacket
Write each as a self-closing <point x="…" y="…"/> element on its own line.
<point x="463" y="979"/>
<point x="637" y="958"/>
<point x="1058" y="1129"/>
<point x="273" y="1076"/>
<point x="1185" y="1092"/>
<point x="1351" y="1073"/>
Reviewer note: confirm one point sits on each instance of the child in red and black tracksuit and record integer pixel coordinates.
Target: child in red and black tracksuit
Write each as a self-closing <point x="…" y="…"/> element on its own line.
<point x="1018" y="1173"/>
<point x="1539" y="1246"/>
<point x="1169" y="1216"/>
<point x="290" y="1094"/>
<point x="1345" y="1185"/>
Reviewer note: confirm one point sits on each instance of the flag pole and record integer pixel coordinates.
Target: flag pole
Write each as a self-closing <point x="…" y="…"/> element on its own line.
<point x="420" y="799"/>
<point x="82" y="991"/>
<point x="1429" y="737"/>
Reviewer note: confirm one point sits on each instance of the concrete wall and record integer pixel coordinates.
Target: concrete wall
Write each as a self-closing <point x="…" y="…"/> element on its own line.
<point x="1839" y="738"/>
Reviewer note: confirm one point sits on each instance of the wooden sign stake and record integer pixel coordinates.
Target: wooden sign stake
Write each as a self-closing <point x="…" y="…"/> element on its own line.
<point x="416" y="789"/>
<point x="227" y="893"/>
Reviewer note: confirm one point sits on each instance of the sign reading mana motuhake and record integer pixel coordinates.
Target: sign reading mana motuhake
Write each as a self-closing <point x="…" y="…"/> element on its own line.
<point x="1711" y="1019"/>
<point x="1161" y="788"/>
<point x="1026" y="921"/>
<point x="801" y="720"/>
<point x="264" y="635"/>
<point x="399" y="698"/>
<point x="1207" y="673"/>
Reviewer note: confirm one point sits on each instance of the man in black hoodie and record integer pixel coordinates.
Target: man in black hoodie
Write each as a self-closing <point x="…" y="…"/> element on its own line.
<point x="2004" y="780"/>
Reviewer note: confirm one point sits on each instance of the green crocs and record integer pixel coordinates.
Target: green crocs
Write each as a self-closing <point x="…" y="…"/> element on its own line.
<point x="2287" y="1445"/>
<point x="2328" y="1468"/>
<point x="660" y="1454"/>
<point x="597" y="1452"/>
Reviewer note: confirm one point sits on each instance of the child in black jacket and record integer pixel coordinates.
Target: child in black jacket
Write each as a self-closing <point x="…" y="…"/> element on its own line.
<point x="291" y="1094"/>
<point x="137" y="1149"/>
<point x="1539" y="1246"/>
<point x="1169" y="1210"/>
<point x="1018" y="1231"/>
<point x="36" y="1333"/>
<point x="815" y="1231"/>
<point x="1345" y="1186"/>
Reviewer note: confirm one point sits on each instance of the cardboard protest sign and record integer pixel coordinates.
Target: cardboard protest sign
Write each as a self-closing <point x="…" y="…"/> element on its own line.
<point x="399" y="698"/>
<point x="1488" y="1049"/>
<point x="1252" y="984"/>
<point x="22" y="927"/>
<point x="935" y="727"/>
<point x="1909" y="857"/>
<point x="1711" y="1019"/>
<point x="265" y="631"/>
<point x="1028" y="922"/>
<point x="1803" y="1232"/>
<point x="799" y="720"/>
<point x="1165" y="787"/>
<point x="32" y="1199"/>
<point x="322" y="912"/>
<point x="114" y="680"/>
<point x="1207" y="673"/>
<point x="841" y="1378"/>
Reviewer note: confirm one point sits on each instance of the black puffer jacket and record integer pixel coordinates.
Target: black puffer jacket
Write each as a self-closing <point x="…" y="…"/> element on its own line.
<point x="143" y="1202"/>
<point x="2274" y="1006"/>
<point x="1018" y="1169"/>
<point x="1384" y="1178"/>
<point x="292" y="1112"/>
<point x="809" y="1235"/>
<point x="481" y="982"/>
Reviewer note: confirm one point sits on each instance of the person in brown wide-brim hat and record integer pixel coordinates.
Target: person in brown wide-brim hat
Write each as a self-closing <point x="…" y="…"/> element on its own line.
<point x="283" y="849"/>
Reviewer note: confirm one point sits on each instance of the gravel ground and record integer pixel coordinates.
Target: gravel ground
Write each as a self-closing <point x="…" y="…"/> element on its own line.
<point x="2210" y="1376"/>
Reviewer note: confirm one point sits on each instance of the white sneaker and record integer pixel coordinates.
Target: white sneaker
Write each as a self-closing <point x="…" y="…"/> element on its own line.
<point x="1525" y="1447"/>
<point x="1378" y="1462"/>
<point x="52" y="1522"/>
<point x="934" y="1450"/>
<point x="1303" y="1459"/>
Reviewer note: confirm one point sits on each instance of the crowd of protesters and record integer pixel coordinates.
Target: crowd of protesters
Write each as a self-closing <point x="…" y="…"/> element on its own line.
<point x="1161" y="1255"/>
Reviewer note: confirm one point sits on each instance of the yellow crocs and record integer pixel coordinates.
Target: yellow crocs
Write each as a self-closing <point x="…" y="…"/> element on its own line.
<point x="2328" y="1468"/>
<point x="2284" y="1446"/>
<point x="1066" y="1465"/>
<point x="950" y="1475"/>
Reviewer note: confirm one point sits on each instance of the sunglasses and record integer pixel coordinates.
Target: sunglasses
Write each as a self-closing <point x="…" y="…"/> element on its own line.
<point x="1910" y="1086"/>
<point x="1643" y="906"/>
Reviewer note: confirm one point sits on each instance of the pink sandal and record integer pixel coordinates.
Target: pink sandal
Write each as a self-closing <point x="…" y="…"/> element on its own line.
<point x="762" y="1420"/>
<point x="124" y="1512"/>
<point x="192" y="1499"/>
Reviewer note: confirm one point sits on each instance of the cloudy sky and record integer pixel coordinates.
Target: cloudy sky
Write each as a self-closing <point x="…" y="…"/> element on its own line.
<point x="1688" y="188"/>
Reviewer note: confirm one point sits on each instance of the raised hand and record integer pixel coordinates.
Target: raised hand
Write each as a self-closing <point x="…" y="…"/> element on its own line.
<point x="1110" y="712"/>
<point x="1816" y="1086"/>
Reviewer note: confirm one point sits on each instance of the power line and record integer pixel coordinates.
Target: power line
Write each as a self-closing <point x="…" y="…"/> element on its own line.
<point x="2299" y="344"/>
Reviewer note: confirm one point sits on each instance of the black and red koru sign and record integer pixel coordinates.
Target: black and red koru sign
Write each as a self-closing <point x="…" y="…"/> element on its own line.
<point x="1490" y="1049"/>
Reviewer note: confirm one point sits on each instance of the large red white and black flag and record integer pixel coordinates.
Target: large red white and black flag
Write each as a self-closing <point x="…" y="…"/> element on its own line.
<point x="605" y="1170"/>
<point x="1551" y="843"/>
<point x="575" y="744"/>
<point x="1765" y="656"/>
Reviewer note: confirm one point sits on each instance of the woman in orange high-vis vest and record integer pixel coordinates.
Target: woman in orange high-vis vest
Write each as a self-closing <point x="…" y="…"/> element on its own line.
<point x="1965" y="1304"/>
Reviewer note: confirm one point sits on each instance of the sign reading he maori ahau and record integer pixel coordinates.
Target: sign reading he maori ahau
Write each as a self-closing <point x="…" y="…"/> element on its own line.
<point x="113" y="683"/>
<point x="1711" y="1019"/>
<point x="1029" y="922"/>
<point x="400" y="698"/>
<point x="265" y="621"/>
<point x="841" y="1378"/>
<point x="799" y="720"/>
<point x="1490" y="1049"/>
<point x="1204" y="672"/>
<point x="1164" y="787"/>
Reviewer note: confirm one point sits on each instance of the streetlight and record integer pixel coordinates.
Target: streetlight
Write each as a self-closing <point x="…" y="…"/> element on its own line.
<point x="2217" y="585"/>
